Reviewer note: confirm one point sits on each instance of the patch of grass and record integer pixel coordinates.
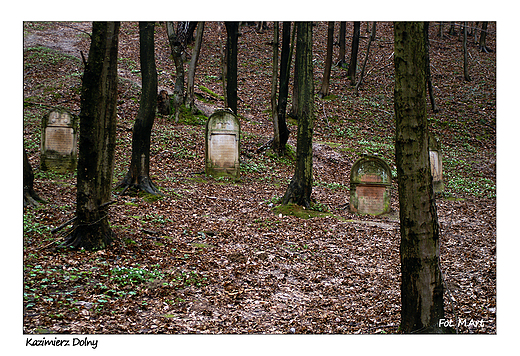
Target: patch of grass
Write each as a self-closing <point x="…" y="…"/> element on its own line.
<point x="187" y="117"/>
<point x="123" y="276"/>
<point x="211" y="92"/>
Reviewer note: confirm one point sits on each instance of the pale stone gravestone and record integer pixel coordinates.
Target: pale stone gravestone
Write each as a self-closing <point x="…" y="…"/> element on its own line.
<point x="370" y="184"/>
<point x="222" y="145"/>
<point x="436" y="163"/>
<point x="58" y="144"/>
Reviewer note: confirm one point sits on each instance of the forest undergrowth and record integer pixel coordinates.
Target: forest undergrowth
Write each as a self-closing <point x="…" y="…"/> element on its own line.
<point x="220" y="256"/>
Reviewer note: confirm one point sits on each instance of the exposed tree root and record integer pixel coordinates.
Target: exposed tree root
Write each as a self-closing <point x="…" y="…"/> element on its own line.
<point x="144" y="183"/>
<point x="91" y="237"/>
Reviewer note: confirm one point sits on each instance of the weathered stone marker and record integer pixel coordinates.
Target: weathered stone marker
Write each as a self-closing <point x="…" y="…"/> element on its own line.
<point x="58" y="144"/>
<point x="370" y="183"/>
<point x="436" y="163"/>
<point x="223" y="144"/>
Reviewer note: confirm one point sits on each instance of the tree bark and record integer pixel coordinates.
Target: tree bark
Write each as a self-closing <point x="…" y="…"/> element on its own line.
<point x="352" y="67"/>
<point x="428" y="72"/>
<point x="231" y="59"/>
<point x="465" y="47"/>
<point x="274" y="82"/>
<point x="324" y="90"/>
<point x="482" y="39"/>
<point x="421" y="281"/>
<point x="97" y="140"/>
<point x="283" y="92"/>
<point x="371" y="39"/>
<point x="190" y="92"/>
<point x="342" y="44"/>
<point x="177" y="39"/>
<point x="30" y="197"/>
<point x="138" y="176"/>
<point x="300" y="189"/>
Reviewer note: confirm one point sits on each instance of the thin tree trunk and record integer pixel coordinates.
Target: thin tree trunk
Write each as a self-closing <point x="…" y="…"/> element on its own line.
<point x="421" y="282"/>
<point x="274" y="82"/>
<point x="223" y="61"/>
<point x="177" y="42"/>
<point x="190" y="91"/>
<point x="372" y="38"/>
<point x="300" y="189"/>
<point x="283" y="92"/>
<point x="465" y="45"/>
<point x="232" y="57"/>
<point x="325" y="83"/>
<point x="97" y="140"/>
<point x="138" y="176"/>
<point x="30" y="197"/>
<point x="342" y="44"/>
<point x="428" y="72"/>
<point x="352" y="67"/>
<point x="482" y="39"/>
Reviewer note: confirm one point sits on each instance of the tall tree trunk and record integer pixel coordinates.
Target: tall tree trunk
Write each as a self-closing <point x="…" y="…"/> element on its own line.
<point x="300" y="189"/>
<point x="97" y="140"/>
<point x="482" y="39"/>
<point x="190" y="92"/>
<point x="30" y="197"/>
<point x="421" y="282"/>
<point x="283" y="92"/>
<point x="177" y="39"/>
<point x="274" y="82"/>
<point x="371" y="39"/>
<point x="342" y="44"/>
<point x="223" y="61"/>
<point x="352" y="67"/>
<point x="465" y="47"/>
<point x="138" y="176"/>
<point x="428" y="72"/>
<point x="232" y="57"/>
<point x="324" y="90"/>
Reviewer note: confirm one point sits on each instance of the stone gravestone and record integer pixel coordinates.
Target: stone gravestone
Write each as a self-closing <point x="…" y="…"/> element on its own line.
<point x="370" y="183"/>
<point x="58" y="144"/>
<point x="222" y="145"/>
<point x="436" y="163"/>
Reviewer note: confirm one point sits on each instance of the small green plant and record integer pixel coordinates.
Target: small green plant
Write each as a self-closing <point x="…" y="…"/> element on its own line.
<point x="134" y="275"/>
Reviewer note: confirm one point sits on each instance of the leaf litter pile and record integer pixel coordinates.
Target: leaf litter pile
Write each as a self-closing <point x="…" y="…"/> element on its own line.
<point x="221" y="256"/>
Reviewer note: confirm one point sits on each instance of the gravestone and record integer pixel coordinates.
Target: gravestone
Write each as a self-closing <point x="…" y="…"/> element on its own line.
<point x="436" y="163"/>
<point x="58" y="144"/>
<point x="370" y="183"/>
<point x="222" y="145"/>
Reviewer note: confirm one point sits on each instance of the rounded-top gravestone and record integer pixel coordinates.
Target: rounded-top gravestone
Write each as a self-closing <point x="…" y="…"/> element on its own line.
<point x="370" y="183"/>
<point x="222" y="144"/>
<point x="58" y="144"/>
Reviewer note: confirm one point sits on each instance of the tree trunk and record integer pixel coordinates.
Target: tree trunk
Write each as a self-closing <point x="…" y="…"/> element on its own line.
<point x="324" y="90"/>
<point x="231" y="57"/>
<point x="274" y="82"/>
<point x="190" y="92"/>
<point x="138" y="176"/>
<point x="352" y="67"/>
<point x="421" y="282"/>
<point x="177" y="41"/>
<point x="482" y="39"/>
<point x="300" y="189"/>
<point x="465" y="45"/>
<point x="97" y="140"/>
<point x="428" y="72"/>
<point x="30" y="197"/>
<point x="342" y="45"/>
<point x="283" y="92"/>
<point x="371" y="39"/>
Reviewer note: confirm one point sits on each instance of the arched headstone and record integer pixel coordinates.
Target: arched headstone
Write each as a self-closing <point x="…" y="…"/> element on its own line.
<point x="370" y="183"/>
<point x="58" y="144"/>
<point x="222" y="144"/>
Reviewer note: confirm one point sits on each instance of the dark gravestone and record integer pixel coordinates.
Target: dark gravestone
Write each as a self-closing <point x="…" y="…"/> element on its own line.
<point x="222" y="145"/>
<point x="58" y="144"/>
<point x="370" y="183"/>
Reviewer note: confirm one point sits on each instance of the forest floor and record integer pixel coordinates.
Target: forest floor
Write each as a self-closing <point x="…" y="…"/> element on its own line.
<point x="215" y="255"/>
